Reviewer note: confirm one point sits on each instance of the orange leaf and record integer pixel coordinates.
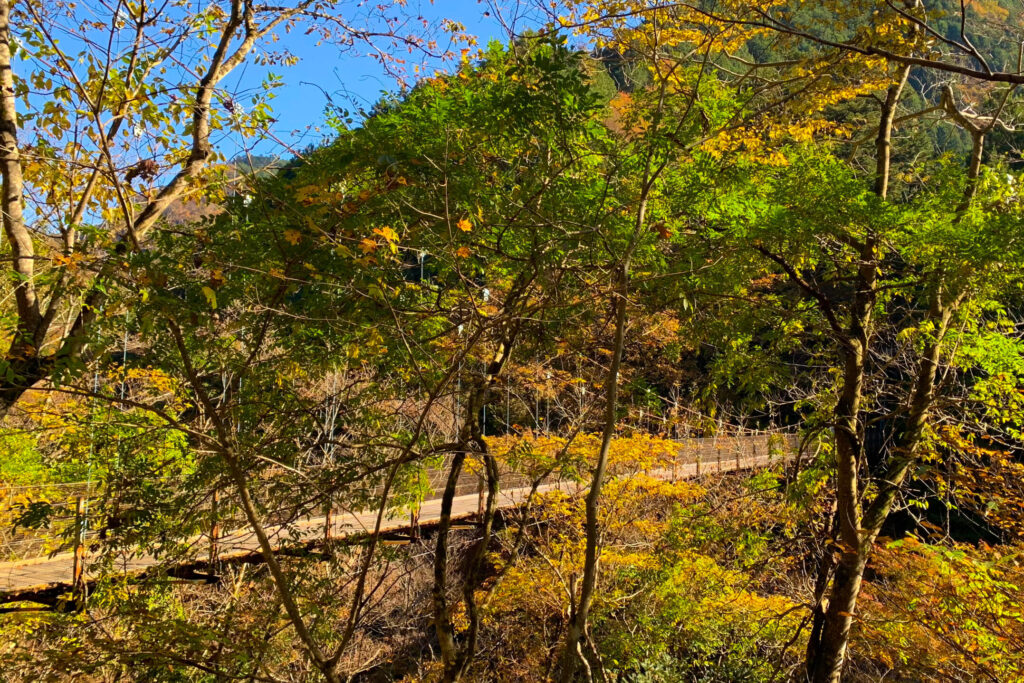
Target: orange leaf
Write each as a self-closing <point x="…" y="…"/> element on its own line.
<point x="387" y="233"/>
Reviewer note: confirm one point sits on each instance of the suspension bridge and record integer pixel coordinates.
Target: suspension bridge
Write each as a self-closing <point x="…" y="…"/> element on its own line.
<point x="54" y="560"/>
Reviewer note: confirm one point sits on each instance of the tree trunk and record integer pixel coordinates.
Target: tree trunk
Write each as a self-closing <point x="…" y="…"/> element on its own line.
<point x="457" y="660"/>
<point x="823" y="578"/>
<point x="439" y="591"/>
<point x="24" y="362"/>
<point x="827" y="653"/>
<point x="474" y="573"/>
<point x="22" y="358"/>
<point x="571" y="652"/>
<point x="835" y="634"/>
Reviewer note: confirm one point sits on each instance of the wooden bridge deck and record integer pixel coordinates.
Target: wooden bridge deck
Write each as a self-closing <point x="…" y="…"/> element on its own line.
<point x="31" y="575"/>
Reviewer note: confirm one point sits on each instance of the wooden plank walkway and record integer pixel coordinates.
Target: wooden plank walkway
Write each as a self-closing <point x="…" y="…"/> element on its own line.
<point x="26" y="575"/>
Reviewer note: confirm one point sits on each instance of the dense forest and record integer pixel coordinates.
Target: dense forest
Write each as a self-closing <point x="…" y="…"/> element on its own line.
<point x="654" y="341"/>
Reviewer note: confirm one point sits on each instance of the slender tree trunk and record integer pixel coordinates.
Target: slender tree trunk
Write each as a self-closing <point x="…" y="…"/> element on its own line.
<point x="22" y="358"/>
<point x="225" y="444"/>
<point x="842" y="602"/>
<point x="862" y="521"/>
<point x="825" y="655"/>
<point x="826" y="567"/>
<point x="439" y="591"/>
<point x="474" y="573"/>
<point x="578" y="619"/>
<point x="277" y="574"/>
<point x="12" y="201"/>
<point x="24" y="361"/>
<point x="456" y="660"/>
<point x="827" y="648"/>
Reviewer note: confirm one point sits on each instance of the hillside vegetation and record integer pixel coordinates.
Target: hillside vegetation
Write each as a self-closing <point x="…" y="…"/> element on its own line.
<point x="660" y="342"/>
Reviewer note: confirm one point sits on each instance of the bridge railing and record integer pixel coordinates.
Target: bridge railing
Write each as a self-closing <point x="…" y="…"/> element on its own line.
<point x="40" y="520"/>
<point x="62" y="518"/>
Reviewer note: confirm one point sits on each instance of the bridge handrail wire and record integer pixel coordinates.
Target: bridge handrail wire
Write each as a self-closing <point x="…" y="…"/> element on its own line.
<point x="26" y="544"/>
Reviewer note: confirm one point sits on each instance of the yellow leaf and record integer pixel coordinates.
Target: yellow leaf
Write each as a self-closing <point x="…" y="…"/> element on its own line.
<point x="464" y="225"/>
<point x="306" y="192"/>
<point x="463" y="252"/>
<point x="277" y="272"/>
<point x="367" y="246"/>
<point x="211" y="297"/>
<point x="387" y="233"/>
<point x="293" y="236"/>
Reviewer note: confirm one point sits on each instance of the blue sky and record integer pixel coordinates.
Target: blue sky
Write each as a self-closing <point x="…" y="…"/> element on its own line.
<point x="356" y="81"/>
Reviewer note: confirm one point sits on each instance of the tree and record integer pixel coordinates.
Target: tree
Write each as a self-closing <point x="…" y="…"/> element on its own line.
<point x="122" y="107"/>
<point x="685" y="111"/>
<point x="896" y="287"/>
<point x="961" y="40"/>
<point x="329" y="262"/>
<point x="506" y="159"/>
<point x="789" y="104"/>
